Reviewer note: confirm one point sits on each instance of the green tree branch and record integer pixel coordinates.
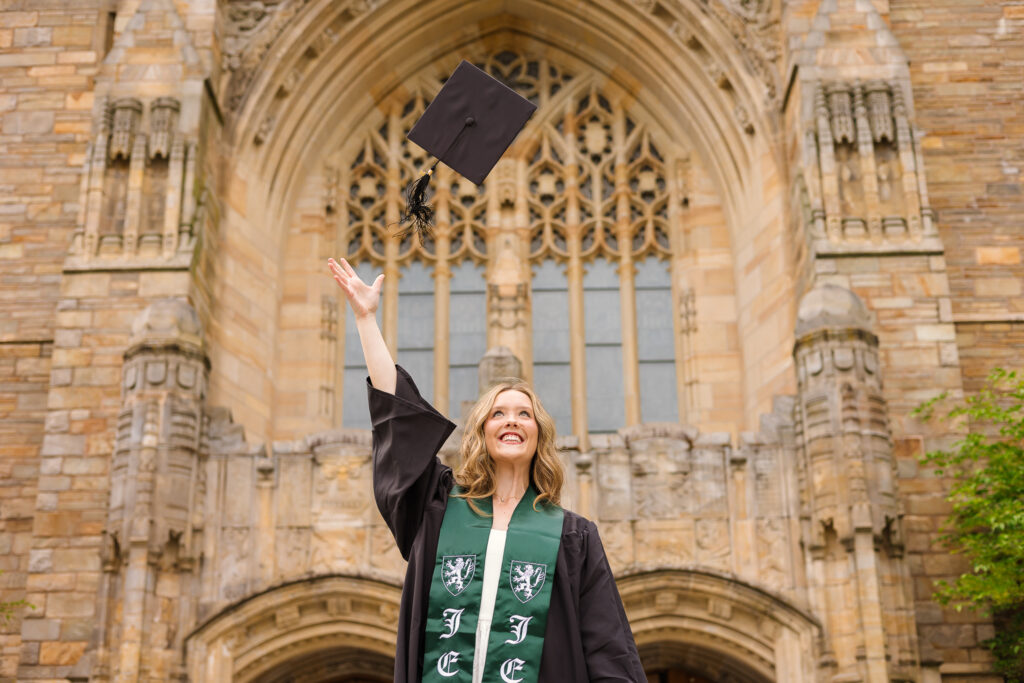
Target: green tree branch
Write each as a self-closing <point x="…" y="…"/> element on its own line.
<point x="987" y="522"/>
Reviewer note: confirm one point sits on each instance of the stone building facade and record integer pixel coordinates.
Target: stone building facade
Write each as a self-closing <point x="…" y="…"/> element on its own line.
<point x="738" y="242"/>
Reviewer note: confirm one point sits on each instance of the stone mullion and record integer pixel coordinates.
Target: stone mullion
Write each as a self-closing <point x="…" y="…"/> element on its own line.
<point x="77" y="244"/>
<point x="133" y="204"/>
<point x="266" y="523"/>
<point x="678" y="170"/>
<point x="492" y="231"/>
<point x="868" y="168"/>
<point x="93" y="200"/>
<point x="137" y="539"/>
<point x="908" y="167"/>
<point x="738" y="494"/>
<point x="172" y="204"/>
<point x="104" y="628"/>
<point x="813" y="180"/>
<point x="187" y="216"/>
<point x="442" y="291"/>
<point x="827" y="165"/>
<point x="574" y="277"/>
<point x="393" y="199"/>
<point x="817" y="592"/>
<point x="862" y="545"/>
<point x="333" y="361"/>
<point x="870" y="603"/>
<point x="522" y="232"/>
<point x="341" y="240"/>
<point x="627" y="274"/>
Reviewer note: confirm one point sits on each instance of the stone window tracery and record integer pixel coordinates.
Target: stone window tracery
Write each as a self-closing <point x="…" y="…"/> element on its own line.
<point x="592" y="183"/>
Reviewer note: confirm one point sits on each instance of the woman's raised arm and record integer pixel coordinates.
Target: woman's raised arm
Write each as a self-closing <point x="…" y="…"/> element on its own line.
<point x="363" y="299"/>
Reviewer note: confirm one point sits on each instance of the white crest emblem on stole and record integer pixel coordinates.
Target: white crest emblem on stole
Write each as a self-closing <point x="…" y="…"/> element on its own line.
<point x="519" y="626"/>
<point x="452" y="619"/>
<point x="457" y="572"/>
<point x="446" y="662"/>
<point x="510" y="668"/>
<point x="527" y="578"/>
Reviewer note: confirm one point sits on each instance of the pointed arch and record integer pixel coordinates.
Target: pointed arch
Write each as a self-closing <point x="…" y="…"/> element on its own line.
<point x="332" y="70"/>
<point x="719" y="626"/>
<point x="345" y="621"/>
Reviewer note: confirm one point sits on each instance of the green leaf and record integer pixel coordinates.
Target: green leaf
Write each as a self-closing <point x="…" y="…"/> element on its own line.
<point x="987" y="522"/>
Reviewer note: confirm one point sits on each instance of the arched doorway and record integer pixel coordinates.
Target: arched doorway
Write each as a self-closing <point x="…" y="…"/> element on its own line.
<point x="693" y="626"/>
<point x="675" y="662"/>
<point x="332" y="665"/>
<point x="332" y="629"/>
<point x="675" y="676"/>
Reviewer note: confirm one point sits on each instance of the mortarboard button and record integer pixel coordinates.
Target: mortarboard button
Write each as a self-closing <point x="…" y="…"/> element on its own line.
<point x="468" y="126"/>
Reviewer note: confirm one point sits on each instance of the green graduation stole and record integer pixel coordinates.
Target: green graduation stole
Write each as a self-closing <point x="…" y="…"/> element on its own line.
<point x="520" y="606"/>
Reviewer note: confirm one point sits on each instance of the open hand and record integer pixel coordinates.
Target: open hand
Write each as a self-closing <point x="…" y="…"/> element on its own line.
<point x="363" y="298"/>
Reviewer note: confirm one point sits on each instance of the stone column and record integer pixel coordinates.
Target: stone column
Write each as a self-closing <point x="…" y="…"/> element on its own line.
<point x="149" y="553"/>
<point x="850" y="504"/>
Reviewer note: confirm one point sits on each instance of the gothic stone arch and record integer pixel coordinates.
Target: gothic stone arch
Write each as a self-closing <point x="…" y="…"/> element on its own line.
<point x="300" y="631"/>
<point x="332" y="66"/>
<point x="710" y="624"/>
<point x="718" y="627"/>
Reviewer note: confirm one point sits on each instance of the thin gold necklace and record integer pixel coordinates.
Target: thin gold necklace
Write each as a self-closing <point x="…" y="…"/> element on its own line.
<point x="507" y="499"/>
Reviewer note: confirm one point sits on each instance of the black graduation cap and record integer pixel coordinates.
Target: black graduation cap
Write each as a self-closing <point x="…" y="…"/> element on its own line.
<point x="468" y="126"/>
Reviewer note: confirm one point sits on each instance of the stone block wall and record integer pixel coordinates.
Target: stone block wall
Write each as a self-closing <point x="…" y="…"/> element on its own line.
<point x="968" y="78"/>
<point x="48" y="58"/>
<point x="967" y="71"/>
<point x="944" y="314"/>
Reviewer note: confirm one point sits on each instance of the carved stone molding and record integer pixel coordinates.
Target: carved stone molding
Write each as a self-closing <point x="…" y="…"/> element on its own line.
<point x="287" y="630"/>
<point x="865" y="193"/>
<point x="251" y="27"/>
<point x="749" y="625"/>
<point x="163" y="124"/>
<point x="847" y="474"/>
<point x="126" y="115"/>
<point x="137" y="197"/>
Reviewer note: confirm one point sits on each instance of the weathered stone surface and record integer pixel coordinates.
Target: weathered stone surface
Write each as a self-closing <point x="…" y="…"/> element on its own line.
<point x="913" y="206"/>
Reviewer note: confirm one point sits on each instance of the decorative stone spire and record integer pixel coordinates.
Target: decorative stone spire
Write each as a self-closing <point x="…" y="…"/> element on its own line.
<point x="848" y="491"/>
<point x="156" y="490"/>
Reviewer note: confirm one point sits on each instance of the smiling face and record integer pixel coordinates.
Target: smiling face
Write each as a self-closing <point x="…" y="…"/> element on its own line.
<point x="510" y="430"/>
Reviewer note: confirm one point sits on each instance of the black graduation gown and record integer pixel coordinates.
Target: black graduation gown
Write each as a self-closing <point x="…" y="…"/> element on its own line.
<point x="587" y="638"/>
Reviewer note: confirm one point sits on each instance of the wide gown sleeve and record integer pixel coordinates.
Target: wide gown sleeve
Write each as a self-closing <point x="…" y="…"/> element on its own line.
<point x="407" y="434"/>
<point x="608" y="645"/>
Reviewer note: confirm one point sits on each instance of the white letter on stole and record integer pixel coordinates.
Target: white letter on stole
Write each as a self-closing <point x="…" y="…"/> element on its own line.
<point x="510" y="667"/>
<point x="519" y="626"/>
<point x="452" y="619"/>
<point x="446" y="662"/>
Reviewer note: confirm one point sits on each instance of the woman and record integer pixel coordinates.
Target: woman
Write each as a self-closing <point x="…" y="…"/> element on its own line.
<point x="502" y="584"/>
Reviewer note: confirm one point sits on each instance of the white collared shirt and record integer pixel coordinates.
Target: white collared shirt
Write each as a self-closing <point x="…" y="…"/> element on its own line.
<point x="492" y="574"/>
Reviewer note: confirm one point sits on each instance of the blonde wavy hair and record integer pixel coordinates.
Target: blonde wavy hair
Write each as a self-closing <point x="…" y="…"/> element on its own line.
<point x="476" y="473"/>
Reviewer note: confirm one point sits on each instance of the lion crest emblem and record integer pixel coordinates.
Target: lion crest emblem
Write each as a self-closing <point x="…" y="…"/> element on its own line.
<point x="527" y="578"/>
<point x="457" y="572"/>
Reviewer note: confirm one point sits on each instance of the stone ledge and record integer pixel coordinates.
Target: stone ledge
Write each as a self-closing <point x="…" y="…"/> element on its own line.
<point x="931" y="246"/>
<point x="99" y="265"/>
<point x="982" y="318"/>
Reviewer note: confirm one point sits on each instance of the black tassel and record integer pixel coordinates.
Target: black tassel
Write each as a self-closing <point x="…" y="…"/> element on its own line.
<point x="418" y="213"/>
